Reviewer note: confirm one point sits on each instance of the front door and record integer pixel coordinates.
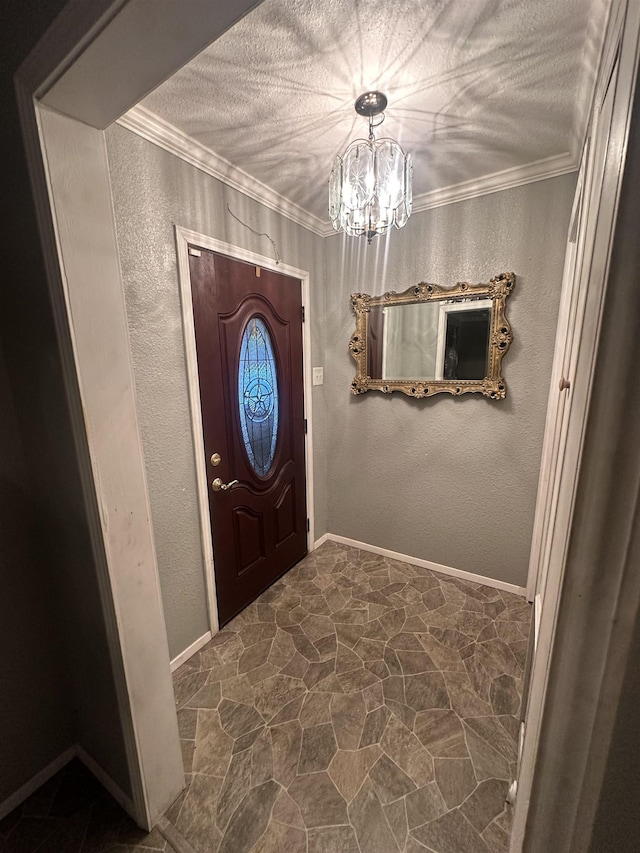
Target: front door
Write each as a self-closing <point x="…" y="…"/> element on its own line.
<point x="248" y="329"/>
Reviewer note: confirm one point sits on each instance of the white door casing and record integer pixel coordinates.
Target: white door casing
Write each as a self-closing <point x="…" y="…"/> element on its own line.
<point x="184" y="237"/>
<point x="69" y="172"/>
<point x="587" y="267"/>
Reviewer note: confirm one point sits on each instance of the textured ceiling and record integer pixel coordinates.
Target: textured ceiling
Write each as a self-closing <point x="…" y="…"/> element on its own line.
<point x="474" y="86"/>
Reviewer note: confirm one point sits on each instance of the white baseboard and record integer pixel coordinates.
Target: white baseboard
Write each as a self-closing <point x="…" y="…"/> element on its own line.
<point x="177" y="841"/>
<point x="184" y="656"/>
<point x="106" y="781"/>
<point x="75" y="751"/>
<point x="320" y="541"/>
<point x="426" y="564"/>
<point x="385" y="552"/>
<point x="24" y="791"/>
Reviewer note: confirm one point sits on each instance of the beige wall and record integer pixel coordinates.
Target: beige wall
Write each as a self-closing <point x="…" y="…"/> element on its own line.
<point x="449" y="480"/>
<point x="153" y="191"/>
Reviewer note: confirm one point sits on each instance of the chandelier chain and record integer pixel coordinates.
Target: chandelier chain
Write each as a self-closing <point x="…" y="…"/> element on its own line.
<point x="373" y="124"/>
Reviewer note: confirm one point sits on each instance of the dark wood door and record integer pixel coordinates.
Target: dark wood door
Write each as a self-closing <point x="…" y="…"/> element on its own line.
<point x="248" y="325"/>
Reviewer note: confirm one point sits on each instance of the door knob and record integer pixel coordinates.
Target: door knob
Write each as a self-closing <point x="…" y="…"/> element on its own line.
<point x="218" y="485"/>
<point x="564" y="384"/>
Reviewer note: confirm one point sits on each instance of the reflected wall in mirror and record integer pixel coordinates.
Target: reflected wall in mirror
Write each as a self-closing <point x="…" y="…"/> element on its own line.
<point x="429" y="339"/>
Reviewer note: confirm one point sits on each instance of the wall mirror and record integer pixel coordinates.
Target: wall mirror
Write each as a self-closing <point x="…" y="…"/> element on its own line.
<point x="429" y="340"/>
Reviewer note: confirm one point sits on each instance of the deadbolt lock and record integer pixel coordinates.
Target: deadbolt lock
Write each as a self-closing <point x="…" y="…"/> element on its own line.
<point x="216" y="459"/>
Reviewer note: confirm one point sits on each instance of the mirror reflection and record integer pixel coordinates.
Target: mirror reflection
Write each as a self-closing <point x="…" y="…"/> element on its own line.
<point x="430" y="339"/>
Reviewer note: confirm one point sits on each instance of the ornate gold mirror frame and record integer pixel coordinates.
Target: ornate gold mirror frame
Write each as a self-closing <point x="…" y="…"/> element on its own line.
<point x="499" y="338"/>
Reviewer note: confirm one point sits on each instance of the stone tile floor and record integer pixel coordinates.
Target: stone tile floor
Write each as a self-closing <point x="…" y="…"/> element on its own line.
<point x="360" y="705"/>
<point x="72" y="813"/>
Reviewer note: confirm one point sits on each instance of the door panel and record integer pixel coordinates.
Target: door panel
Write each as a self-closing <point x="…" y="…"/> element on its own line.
<point x="248" y="329"/>
<point x="248" y="530"/>
<point x="284" y="515"/>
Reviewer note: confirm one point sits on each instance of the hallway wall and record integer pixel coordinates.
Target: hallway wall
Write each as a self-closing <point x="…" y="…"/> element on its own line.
<point x="33" y="674"/>
<point x="452" y="481"/>
<point x="152" y="191"/>
<point x="56" y="679"/>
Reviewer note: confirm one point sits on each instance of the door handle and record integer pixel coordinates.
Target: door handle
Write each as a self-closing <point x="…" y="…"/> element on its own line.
<point x="219" y="486"/>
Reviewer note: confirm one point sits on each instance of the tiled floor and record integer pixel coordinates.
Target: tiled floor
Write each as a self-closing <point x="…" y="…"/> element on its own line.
<point x="72" y="813"/>
<point x="361" y="705"/>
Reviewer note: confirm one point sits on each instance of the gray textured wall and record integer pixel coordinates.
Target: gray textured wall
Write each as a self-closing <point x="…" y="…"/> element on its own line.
<point x="452" y="481"/>
<point x="449" y="480"/>
<point x="152" y="191"/>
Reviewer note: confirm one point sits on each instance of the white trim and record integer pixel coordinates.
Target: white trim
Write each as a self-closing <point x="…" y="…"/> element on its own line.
<point x="568" y="323"/>
<point x="593" y="56"/>
<point x="577" y="624"/>
<point x="76" y="175"/>
<point x="183" y="237"/>
<point x="427" y="564"/>
<point x="24" y="791"/>
<point x="151" y="127"/>
<point x="574" y="317"/>
<point x="191" y="650"/>
<point x="106" y="781"/>
<point x="403" y="558"/>
<point x="193" y="387"/>
<point x="177" y="841"/>
<point x="324" y="538"/>
<point x="537" y="615"/>
<point x="611" y="39"/>
<point x="37" y="781"/>
<point x="516" y="176"/>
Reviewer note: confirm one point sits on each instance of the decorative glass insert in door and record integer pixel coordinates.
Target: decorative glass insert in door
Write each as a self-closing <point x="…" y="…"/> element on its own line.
<point x="258" y="396"/>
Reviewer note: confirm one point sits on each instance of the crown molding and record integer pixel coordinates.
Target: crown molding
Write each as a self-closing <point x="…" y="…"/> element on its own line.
<point x="151" y="127"/>
<point x="154" y="129"/>
<point x="538" y="170"/>
<point x="598" y="54"/>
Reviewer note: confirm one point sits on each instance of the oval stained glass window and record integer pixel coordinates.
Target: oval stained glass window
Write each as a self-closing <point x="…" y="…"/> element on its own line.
<point x="258" y="396"/>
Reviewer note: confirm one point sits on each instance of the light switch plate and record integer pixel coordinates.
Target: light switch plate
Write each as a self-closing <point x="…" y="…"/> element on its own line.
<point x="318" y="375"/>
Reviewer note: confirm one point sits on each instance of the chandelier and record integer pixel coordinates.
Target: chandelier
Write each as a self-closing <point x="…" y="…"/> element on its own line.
<point x="370" y="184"/>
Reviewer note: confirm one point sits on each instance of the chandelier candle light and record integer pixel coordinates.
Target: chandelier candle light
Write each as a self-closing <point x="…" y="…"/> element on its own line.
<point x="370" y="184"/>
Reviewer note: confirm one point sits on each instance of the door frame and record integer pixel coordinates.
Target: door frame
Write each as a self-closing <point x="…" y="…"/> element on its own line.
<point x="118" y="30"/>
<point x="571" y="337"/>
<point x="447" y="308"/>
<point x="184" y="237"/>
<point x="582" y="639"/>
<point x="94" y="62"/>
